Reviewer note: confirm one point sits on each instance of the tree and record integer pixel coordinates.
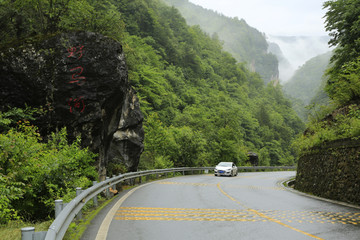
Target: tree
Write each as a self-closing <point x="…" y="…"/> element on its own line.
<point x="346" y="88"/>
<point x="34" y="173"/>
<point x="21" y="19"/>
<point x="343" y="23"/>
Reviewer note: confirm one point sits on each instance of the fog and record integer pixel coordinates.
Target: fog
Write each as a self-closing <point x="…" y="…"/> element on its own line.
<point x="297" y="50"/>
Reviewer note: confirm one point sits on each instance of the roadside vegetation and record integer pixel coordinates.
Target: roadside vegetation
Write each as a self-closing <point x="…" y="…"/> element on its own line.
<point x="196" y="98"/>
<point x="341" y="118"/>
<point x="33" y="172"/>
<point x="201" y="106"/>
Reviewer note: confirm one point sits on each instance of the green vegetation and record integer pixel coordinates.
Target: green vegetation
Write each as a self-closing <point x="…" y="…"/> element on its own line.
<point x="307" y="79"/>
<point x="306" y="87"/>
<point x="34" y="173"/>
<point x="11" y="230"/>
<point x="342" y="118"/>
<point x="194" y="92"/>
<point x="342" y="20"/>
<point x="345" y="123"/>
<point x="245" y="43"/>
<point x="201" y="106"/>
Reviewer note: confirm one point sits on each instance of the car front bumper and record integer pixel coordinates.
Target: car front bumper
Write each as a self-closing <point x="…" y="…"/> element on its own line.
<point x="222" y="173"/>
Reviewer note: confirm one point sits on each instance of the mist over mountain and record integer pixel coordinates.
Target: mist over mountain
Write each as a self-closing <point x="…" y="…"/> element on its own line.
<point x="307" y="79"/>
<point x="306" y="86"/>
<point x="245" y="43"/>
<point x="295" y="51"/>
<point x="284" y="66"/>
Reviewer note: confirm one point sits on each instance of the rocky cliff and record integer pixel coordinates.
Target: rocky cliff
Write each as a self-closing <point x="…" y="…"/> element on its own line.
<point x="331" y="171"/>
<point x="80" y="80"/>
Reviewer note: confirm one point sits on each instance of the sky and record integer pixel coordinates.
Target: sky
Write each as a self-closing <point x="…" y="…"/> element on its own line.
<point x="274" y="17"/>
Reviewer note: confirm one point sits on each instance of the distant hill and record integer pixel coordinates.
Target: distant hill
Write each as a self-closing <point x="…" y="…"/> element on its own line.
<point x="286" y="70"/>
<point x="307" y="79"/>
<point x="245" y="43"/>
<point x="295" y="51"/>
<point x="307" y="85"/>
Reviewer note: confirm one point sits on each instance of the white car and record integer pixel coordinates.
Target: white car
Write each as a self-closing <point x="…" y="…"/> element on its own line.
<point x="226" y="169"/>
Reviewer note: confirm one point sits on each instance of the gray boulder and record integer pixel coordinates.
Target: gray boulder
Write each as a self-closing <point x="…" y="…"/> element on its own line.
<point x="80" y="81"/>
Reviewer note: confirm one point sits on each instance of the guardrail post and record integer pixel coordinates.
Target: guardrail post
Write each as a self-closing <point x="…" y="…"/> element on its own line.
<point x="59" y="205"/>
<point x="120" y="184"/>
<point x="174" y="173"/>
<point x="107" y="191"/>
<point x="140" y="180"/>
<point x="27" y="233"/>
<point x="114" y="186"/>
<point x="95" y="200"/>
<point x="183" y="172"/>
<point x="78" y="192"/>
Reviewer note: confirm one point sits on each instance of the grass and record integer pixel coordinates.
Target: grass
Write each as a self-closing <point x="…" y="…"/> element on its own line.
<point x="12" y="230"/>
<point x="77" y="228"/>
<point x="289" y="182"/>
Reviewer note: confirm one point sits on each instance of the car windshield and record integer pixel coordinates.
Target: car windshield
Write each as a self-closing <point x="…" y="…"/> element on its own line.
<point x="225" y="164"/>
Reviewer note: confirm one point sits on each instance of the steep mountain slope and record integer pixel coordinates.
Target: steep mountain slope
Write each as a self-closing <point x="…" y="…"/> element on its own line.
<point x="307" y="86"/>
<point x="307" y="79"/>
<point x="297" y="50"/>
<point x="200" y="106"/>
<point x="245" y="43"/>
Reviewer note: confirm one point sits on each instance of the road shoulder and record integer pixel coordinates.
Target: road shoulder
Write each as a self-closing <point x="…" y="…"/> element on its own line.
<point x="283" y="183"/>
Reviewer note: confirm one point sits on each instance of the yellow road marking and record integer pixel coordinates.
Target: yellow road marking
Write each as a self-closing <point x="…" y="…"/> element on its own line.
<point x="247" y="214"/>
<point x="104" y="227"/>
<point x="267" y="217"/>
<point x="185" y="183"/>
<point x="152" y="213"/>
<point x="134" y="218"/>
<point x="187" y="209"/>
<point x="252" y="187"/>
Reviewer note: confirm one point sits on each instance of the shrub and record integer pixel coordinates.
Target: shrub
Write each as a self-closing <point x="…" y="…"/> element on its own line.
<point x="38" y="173"/>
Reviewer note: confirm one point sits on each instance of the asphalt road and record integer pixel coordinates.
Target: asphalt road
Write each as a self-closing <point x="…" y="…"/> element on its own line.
<point x="249" y="206"/>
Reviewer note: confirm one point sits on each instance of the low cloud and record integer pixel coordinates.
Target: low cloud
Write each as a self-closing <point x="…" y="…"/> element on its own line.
<point x="298" y="50"/>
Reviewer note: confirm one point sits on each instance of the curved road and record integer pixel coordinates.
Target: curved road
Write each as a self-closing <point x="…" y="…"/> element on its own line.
<point x="249" y="206"/>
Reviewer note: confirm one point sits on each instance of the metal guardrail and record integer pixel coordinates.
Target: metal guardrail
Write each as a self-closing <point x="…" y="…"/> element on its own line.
<point x="63" y="219"/>
<point x="259" y="168"/>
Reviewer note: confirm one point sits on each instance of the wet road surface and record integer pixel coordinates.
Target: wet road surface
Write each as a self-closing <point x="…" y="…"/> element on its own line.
<point x="249" y="206"/>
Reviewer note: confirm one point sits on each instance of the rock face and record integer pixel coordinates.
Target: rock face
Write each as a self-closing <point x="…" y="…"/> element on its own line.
<point x="331" y="171"/>
<point x="80" y="80"/>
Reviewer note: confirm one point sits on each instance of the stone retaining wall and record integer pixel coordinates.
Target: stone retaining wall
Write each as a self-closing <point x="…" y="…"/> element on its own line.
<point x="331" y="171"/>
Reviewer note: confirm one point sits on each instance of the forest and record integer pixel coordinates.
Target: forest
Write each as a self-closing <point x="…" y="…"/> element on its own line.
<point x="201" y="105"/>
<point x="335" y="111"/>
<point x="306" y="86"/>
<point x="243" y="42"/>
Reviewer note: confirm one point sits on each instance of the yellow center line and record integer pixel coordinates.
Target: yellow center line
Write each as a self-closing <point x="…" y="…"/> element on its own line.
<point x="266" y="217"/>
<point x="180" y="209"/>
<point x="138" y="213"/>
<point x="184" y="215"/>
<point x="184" y="219"/>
